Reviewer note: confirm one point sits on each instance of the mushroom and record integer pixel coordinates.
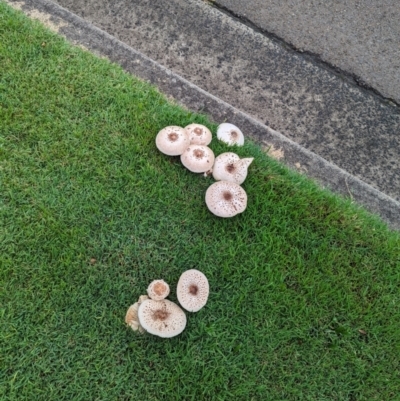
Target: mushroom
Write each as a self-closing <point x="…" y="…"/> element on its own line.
<point x="131" y="317"/>
<point x="158" y="290"/>
<point x="192" y="290"/>
<point x="172" y="140"/>
<point x="198" y="134"/>
<point x="162" y="318"/>
<point x="226" y="199"/>
<point x="229" y="167"/>
<point x="142" y="298"/>
<point x="230" y="134"/>
<point x="198" y="158"/>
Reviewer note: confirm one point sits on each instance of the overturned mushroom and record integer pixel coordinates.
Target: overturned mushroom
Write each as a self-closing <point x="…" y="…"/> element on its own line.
<point x="230" y="134"/>
<point x="172" y="140"/>
<point x="198" y="158"/>
<point x="229" y="167"/>
<point x="162" y="318"/>
<point x="131" y="317"/>
<point x="226" y="199"/>
<point x="158" y="290"/>
<point x="192" y="290"/>
<point x="198" y="134"/>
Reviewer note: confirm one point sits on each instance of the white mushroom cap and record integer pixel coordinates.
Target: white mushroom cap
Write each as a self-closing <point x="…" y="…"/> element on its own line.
<point x="229" y="167"/>
<point x="192" y="290"/>
<point x="198" y="134"/>
<point x="172" y="140"/>
<point x="198" y="158"/>
<point x="162" y="318"/>
<point x="158" y="290"/>
<point x="230" y="134"/>
<point x="226" y="199"/>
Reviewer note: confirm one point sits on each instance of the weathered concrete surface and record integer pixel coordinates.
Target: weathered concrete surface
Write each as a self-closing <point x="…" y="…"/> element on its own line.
<point x="304" y="102"/>
<point x="187" y="93"/>
<point x="361" y="37"/>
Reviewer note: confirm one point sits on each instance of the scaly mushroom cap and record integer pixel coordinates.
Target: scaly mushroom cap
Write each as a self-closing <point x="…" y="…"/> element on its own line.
<point x="198" y="158"/>
<point x="229" y="167"/>
<point x="226" y="199"/>
<point x="198" y="134"/>
<point x="162" y="318"/>
<point x="172" y="140"/>
<point x="230" y="134"/>
<point x="158" y="290"/>
<point x="192" y="290"/>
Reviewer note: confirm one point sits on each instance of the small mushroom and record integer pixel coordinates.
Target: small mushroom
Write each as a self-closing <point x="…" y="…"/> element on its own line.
<point x="198" y="134"/>
<point x="172" y="140"/>
<point x="229" y="167"/>
<point x="198" y="158"/>
<point x="230" y="134"/>
<point x="142" y="298"/>
<point x="162" y="318"/>
<point x="131" y="317"/>
<point x="192" y="290"/>
<point x="226" y="199"/>
<point x="158" y="290"/>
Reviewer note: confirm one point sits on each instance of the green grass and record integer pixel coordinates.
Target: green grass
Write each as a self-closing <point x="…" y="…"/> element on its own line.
<point x="304" y="301"/>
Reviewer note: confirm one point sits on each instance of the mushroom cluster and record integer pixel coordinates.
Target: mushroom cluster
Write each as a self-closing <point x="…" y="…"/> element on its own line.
<point x="157" y="315"/>
<point x="224" y="198"/>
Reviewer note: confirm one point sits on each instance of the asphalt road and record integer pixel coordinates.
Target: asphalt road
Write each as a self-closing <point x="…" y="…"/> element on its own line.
<point x="361" y="37"/>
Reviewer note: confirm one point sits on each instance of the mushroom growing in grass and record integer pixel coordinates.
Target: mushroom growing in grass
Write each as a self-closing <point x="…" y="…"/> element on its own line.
<point x="192" y="290"/>
<point x="172" y="140"/>
<point x="230" y="134"/>
<point x="131" y="317"/>
<point x="230" y="167"/>
<point x="198" y="158"/>
<point x="226" y="199"/>
<point x="162" y="318"/>
<point x="198" y="134"/>
<point x="158" y="290"/>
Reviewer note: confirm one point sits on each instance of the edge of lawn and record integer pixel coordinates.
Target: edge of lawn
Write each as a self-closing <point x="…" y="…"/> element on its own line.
<point x="84" y="34"/>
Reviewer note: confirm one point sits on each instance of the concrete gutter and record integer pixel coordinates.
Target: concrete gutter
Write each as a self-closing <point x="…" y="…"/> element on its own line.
<point x="83" y="33"/>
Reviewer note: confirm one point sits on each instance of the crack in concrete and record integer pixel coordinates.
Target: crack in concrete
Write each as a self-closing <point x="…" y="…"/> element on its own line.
<point x="314" y="58"/>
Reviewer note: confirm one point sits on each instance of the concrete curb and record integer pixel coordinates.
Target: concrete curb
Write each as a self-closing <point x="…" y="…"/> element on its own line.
<point x="83" y="33"/>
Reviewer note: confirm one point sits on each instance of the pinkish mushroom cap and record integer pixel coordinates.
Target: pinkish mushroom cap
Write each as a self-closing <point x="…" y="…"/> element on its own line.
<point x="198" y="134"/>
<point x="172" y="140"/>
<point x="158" y="290"/>
<point x="229" y="167"/>
<point x="198" y="158"/>
<point x="162" y="318"/>
<point x="226" y="199"/>
<point x="192" y="290"/>
<point x="230" y="134"/>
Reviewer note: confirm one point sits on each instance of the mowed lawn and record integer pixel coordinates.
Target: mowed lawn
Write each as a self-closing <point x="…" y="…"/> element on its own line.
<point x="305" y="294"/>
